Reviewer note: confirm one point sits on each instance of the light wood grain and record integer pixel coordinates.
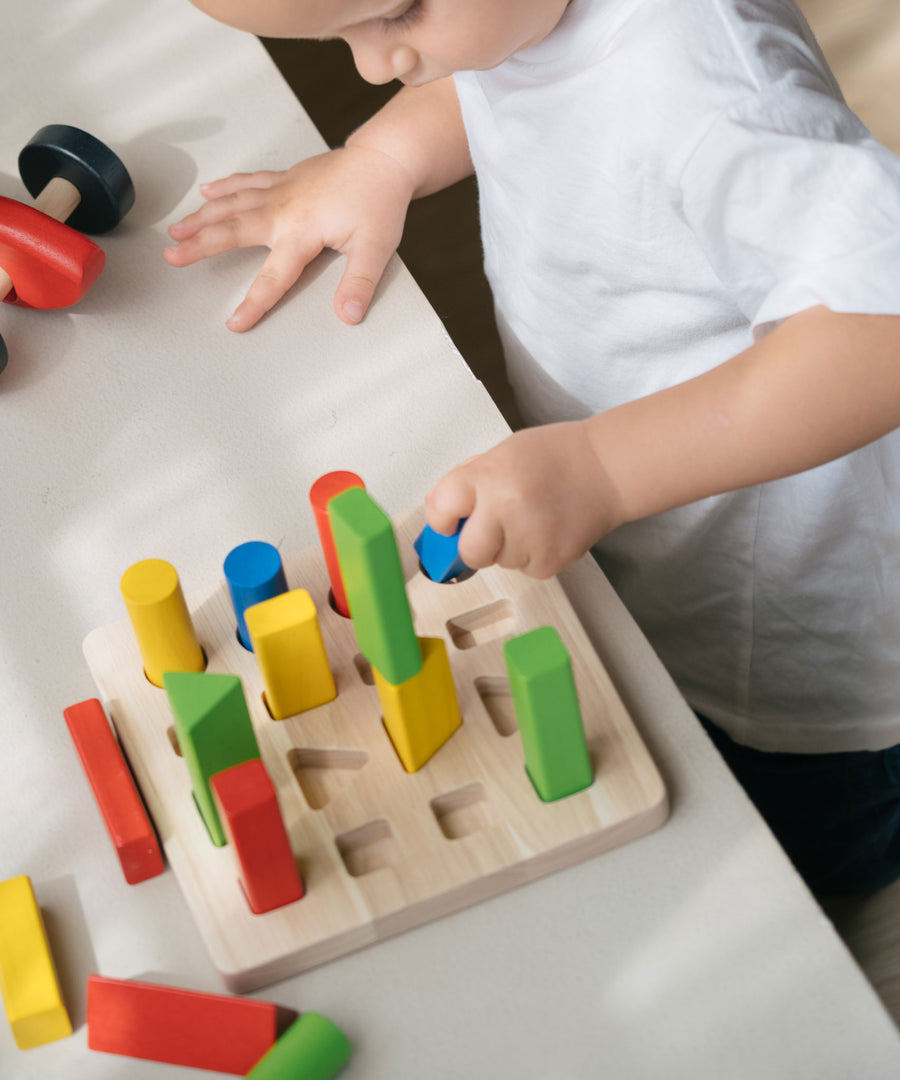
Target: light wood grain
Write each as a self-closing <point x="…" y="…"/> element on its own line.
<point x="381" y="850"/>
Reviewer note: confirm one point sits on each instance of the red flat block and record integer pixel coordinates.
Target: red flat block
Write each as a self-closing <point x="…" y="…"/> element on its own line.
<point x="179" y="1027"/>
<point x="322" y="491"/>
<point x="50" y="264"/>
<point x="126" y="818"/>
<point x="248" y="809"/>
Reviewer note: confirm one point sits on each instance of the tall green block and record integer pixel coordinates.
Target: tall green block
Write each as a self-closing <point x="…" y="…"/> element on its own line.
<point x="375" y="586"/>
<point x="547" y="711"/>
<point x="214" y="732"/>
<point x="312" y="1048"/>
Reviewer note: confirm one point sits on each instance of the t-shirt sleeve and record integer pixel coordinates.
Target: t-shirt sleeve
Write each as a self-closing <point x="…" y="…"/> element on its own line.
<point x="796" y="204"/>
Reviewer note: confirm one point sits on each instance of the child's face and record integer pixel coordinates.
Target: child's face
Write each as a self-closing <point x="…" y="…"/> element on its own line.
<point x="415" y="41"/>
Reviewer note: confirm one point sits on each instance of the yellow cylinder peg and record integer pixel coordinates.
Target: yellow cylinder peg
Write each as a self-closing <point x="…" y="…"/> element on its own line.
<point x="160" y="619"/>
<point x="287" y="642"/>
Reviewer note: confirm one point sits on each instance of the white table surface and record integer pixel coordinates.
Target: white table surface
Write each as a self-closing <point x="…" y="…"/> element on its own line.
<point x="135" y="425"/>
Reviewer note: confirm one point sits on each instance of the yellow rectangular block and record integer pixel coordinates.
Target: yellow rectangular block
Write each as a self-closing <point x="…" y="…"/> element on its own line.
<point x="290" y="652"/>
<point x="28" y="980"/>
<point x="421" y="713"/>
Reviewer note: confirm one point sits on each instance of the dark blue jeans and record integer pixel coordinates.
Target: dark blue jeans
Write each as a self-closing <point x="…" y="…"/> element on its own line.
<point x="836" y="815"/>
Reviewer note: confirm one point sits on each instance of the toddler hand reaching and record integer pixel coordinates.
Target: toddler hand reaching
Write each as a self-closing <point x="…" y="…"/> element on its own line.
<point x="535" y="502"/>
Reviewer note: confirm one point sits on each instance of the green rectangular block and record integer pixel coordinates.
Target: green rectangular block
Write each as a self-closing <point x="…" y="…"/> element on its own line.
<point x="214" y="732"/>
<point x="375" y="586"/>
<point x="548" y="714"/>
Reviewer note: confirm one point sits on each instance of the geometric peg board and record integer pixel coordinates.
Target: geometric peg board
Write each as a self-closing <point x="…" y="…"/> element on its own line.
<point x="382" y="850"/>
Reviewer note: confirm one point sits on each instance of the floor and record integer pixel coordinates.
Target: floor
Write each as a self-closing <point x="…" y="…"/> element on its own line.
<point x="442" y="249"/>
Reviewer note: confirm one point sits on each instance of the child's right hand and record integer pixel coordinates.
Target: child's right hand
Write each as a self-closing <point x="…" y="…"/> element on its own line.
<point x="353" y="200"/>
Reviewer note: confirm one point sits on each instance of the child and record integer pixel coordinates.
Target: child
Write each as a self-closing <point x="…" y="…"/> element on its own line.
<point x="694" y="248"/>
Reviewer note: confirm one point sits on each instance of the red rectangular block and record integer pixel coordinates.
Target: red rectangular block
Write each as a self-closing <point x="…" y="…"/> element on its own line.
<point x="248" y="809"/>
<point x="126" y="818"/>
<point x="179" y="1027"/>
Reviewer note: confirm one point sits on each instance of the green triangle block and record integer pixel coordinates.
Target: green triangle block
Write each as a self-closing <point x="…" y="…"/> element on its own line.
<point x="312" y="1048"/>
<point x="214" y="732"/>
<point x="375" y="585"/>
<point x="548" y="714"/>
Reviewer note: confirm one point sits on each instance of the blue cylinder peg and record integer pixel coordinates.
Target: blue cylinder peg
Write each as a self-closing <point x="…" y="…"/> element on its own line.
<point x="254" y="573"/>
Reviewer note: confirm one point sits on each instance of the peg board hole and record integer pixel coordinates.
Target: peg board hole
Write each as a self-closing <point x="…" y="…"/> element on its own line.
<point x="322" y="774"/>
<point x="173" y="739"/>
<point x="496" y="697"/>
<point x="464" y="811"/>
<point x="364" y="669"/>
<point x="495" y="620"/>
<point x="371" y="847"/>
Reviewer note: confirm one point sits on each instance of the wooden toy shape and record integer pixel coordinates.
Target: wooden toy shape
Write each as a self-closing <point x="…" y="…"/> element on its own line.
<point x="422" y="713"/>
<point x="322" y="491"/>
<point x="439" y="554"/>
<point x="312" y="1048"/>
<point x="375" y="584"/>
<point x="546" y="704"/>
<point x="383" y="850"/>
<point x="254" y="573"/>
<point x="60" y="152"/>
<point x="28" y="980"/>
<point x="214" y="732"/>
<point x="45" y="264"/>
<point x="290" y="652"/>
<point x="179" y="1027"/>
<point x="78" y="180"/>
<point x="124" y="814"/>
<point x="160" y="619"/>
<point x="248" y="809"/>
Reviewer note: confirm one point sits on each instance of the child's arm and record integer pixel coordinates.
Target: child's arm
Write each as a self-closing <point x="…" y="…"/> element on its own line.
<point x="819" y="386"/>
<point x="353" y="200"/>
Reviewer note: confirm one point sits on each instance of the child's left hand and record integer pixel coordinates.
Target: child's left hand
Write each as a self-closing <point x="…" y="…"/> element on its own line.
<point x="535" y="502"/>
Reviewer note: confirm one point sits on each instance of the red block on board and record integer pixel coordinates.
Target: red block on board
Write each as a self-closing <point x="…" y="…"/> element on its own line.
<point x="179" y="1027"/>
<point x="248" y="809"/>
<point x="126" y="818"/>
<point x="322" y="491"/>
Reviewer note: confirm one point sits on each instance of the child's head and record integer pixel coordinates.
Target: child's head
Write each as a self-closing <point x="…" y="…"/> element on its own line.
<point x="415" y="41"/>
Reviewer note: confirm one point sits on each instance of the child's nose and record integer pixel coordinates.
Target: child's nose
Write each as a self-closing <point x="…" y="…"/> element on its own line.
<point x="380" y="62"/>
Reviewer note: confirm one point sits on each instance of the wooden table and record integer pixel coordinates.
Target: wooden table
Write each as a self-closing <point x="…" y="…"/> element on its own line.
<point x="135" y="425"/>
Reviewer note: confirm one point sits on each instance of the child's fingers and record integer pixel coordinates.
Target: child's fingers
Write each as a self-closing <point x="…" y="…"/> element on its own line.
<point x="481" y="542"/>
<point x="449" y="501"/>
<point x="228" y="185"/>
<point x="364" y="269"/>
<point x="250" y="230"/>
<point x="286" y="262"/>
<point x="215" y="211"/>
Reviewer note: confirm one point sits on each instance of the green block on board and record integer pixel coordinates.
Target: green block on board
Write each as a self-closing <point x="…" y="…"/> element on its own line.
<point x="547" y="711"/>
<point x="312" y="1048"/>
<point x="214" y="732"/>
<point x="375" y="586"/>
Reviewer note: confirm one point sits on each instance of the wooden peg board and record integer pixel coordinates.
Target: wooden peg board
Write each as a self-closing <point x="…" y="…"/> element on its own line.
<point x="382" y="850"/>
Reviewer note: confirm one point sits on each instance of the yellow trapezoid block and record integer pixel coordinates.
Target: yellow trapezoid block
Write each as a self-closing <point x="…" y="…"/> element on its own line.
<point x="288" y="646"/>
<point x="421" y="713"/>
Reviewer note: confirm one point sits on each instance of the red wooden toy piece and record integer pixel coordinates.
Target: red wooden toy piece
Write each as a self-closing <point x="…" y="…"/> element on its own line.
<point x="248" y="809"/>
<point x="323" y="490"/>
<point x="50" y="264"/>
<point x="180" y="1027"/>
<point x="116" y="793"/>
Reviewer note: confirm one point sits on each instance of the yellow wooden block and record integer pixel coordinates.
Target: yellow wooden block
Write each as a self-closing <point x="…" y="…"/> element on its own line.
<point x="421" y="713"/>
<point x="160" y="619"/>
<point x="28" y="981"/>
<point x="290" y="652"/>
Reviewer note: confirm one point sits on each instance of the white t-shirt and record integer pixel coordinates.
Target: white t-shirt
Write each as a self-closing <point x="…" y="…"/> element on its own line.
<point x="660" y="182"/>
